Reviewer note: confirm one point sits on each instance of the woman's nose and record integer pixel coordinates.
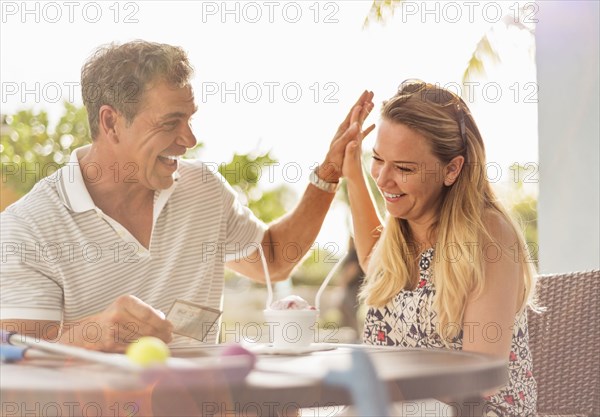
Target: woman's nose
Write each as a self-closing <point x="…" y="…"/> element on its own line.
<point x="383" y="176"/>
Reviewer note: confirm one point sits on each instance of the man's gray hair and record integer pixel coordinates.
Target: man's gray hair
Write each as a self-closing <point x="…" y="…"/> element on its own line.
<point x="118" y="75"/>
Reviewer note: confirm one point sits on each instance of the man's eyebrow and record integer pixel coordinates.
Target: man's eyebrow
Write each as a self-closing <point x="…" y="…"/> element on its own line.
<point x="177" y="114"/>
<point x="395" y="162"/>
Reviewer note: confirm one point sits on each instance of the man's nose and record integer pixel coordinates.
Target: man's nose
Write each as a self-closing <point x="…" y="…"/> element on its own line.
<point x="187" y="137"/>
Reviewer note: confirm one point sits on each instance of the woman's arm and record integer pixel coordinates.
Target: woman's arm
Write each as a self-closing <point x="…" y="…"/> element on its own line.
<point x="489" y="318"/>
<point x="301" y="225"/>
<point x="365" y="220"/>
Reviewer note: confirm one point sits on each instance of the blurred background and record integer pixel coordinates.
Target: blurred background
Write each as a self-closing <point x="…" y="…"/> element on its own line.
<point x="274" y="79"/>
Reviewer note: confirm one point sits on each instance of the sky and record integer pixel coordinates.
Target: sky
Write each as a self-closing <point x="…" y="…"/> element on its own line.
<point x="279" y="76"/>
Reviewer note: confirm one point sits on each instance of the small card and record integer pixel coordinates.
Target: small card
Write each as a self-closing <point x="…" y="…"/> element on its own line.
<point x="192" y="320"/>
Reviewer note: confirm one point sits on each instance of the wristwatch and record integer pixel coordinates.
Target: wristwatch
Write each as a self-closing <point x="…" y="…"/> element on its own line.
<point x="330" y="187"/>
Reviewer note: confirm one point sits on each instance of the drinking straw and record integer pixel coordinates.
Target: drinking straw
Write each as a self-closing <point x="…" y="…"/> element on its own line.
<point x="326" y="281"/>
<point x="267" y="277"/>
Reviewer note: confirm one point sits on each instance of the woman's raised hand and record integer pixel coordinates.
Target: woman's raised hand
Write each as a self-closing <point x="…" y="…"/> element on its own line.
<point x="350" y="131"/>
<point x="352" y="163"/>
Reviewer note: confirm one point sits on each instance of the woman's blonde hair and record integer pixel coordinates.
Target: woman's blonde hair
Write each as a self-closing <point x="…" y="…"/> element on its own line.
<point x="461" y="232"/>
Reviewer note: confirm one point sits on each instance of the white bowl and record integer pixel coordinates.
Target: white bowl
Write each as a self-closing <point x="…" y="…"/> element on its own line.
<point x="291" y="328"/>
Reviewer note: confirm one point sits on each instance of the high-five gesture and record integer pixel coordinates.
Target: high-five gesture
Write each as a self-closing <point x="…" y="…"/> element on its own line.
<point x="352" y="164"/>
<point x="350" y="130"/>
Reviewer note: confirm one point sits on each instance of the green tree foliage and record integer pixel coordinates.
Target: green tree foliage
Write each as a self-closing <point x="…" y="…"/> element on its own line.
<point x="523" y="205"/>
<point x="30" y="150"/>
<point x="244" y="172"/>
<point x="525" y="210"/>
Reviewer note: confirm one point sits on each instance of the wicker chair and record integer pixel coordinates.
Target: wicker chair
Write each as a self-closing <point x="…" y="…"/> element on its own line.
<point x="565" y="344"/>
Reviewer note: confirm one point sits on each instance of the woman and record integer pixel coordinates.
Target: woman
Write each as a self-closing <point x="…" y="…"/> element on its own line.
<point x="449" y="268"/>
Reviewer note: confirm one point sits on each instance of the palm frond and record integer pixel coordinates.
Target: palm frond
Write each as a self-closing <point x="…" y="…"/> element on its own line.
<point x="380" y="10"/>
<point x="476" y="66"/>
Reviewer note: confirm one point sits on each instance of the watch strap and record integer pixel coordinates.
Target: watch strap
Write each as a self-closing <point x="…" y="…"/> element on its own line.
<point x="330" y="187"/>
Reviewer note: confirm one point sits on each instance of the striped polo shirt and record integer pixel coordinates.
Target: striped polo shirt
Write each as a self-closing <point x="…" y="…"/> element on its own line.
<point x="64" y="259"/>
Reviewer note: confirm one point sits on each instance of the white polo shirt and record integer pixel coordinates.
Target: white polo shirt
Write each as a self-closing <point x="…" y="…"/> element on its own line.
<point x="63" y="258"/>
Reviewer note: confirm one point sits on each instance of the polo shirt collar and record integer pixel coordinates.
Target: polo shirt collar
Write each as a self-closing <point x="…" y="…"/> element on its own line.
<point x="75" y="194"/>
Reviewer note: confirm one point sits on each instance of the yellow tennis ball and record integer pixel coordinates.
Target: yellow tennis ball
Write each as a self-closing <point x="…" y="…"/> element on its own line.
<point x="147" y="351"/>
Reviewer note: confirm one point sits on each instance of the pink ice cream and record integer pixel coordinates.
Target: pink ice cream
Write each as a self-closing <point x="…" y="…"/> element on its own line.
<point x="291" y="302"/>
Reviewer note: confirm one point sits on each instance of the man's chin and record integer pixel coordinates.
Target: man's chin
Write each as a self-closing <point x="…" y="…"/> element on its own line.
<point x="162" y="183"/>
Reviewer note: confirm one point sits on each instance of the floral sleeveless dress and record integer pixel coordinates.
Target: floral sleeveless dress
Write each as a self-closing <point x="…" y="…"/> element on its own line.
<point x="409" y="320"/>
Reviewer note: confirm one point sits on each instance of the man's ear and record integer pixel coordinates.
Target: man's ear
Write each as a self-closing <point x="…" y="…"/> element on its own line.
<point x="107" y="121"/>
<point x="453" y="169"/>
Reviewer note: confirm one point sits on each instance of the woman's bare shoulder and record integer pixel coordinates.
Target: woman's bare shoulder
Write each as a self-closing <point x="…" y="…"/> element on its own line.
<point x="500" y="229"/>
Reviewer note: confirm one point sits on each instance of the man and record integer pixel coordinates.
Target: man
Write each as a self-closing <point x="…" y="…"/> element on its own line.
<point x="95" y="253"/>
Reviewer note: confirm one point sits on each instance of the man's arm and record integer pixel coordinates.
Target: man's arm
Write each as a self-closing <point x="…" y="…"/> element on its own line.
<point x="39" y="329"/>
<point x="112" y="330"/>
<point x="288" y="239"/>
